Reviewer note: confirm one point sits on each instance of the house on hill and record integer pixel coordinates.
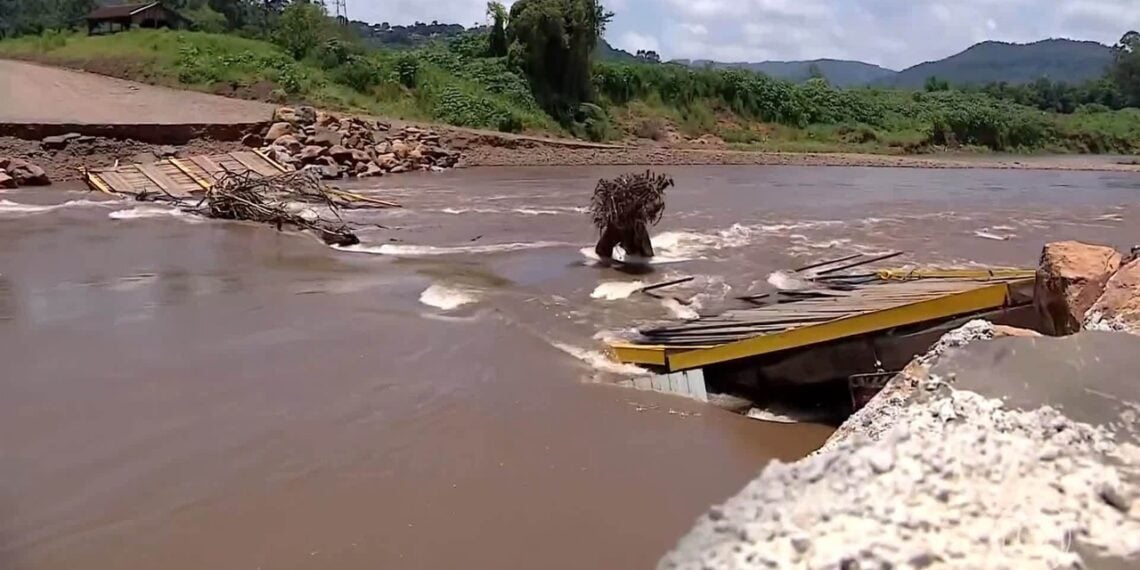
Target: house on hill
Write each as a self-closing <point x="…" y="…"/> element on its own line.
<point x="121" y="17"/>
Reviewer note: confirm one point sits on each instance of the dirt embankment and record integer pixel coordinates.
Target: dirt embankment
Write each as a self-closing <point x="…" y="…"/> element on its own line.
<point x="42" y="101"/>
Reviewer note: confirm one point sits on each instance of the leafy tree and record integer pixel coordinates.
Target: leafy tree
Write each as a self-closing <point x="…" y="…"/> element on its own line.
<point x="1125" y="70"/>
<point x="301" y="28"/>
<point x="552" y="42"/>
<point x="934" y="84"/>
<point x="648" y="56"/>
<point x="498" y="36"/>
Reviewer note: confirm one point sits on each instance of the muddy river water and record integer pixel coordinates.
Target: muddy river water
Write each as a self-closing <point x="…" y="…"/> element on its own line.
<point x="182" y="394"/>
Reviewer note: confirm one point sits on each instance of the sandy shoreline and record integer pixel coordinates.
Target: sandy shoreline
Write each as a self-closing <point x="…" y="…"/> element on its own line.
<point x="536" y="154"/>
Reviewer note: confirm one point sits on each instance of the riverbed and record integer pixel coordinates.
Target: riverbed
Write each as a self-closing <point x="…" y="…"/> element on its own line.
<point x="181" y="393"/>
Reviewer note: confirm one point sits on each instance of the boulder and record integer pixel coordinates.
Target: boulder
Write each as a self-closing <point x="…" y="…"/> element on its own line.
<point x="290" y="143"/>
<point x="399" y="168"/>
<point x="340" y="154"/>
<point x="253" y="140"/>
<point x="361" y="156"/>
<point x="1120" y="302"/>
<point x="9" y="182"/>
<point x="165" y="151"/>
<point x="286" y="115"/>
<point x="387" y="161"/>
<point x="306" y="115"/>
<point x="400" y="148"/>
<point x="371" y="169"/>
<point x="325" y="119"/>
<point x="325" y="161"/>
<point x="4" y="162"/>
<point x="312" y="153"/>
<point x="26" y="173"/>
<point x="279" y="130"/>
<point x="1070" y="278"/>
<point x="324" y="136"/>
<point x="59" y="142"/>
<point x="383" y="148"/>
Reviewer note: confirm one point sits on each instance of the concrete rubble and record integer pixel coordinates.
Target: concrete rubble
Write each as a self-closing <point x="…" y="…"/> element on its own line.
<point x="985" y="452"/>
<point x="335" y="146"/>
<point x="951" y="479"/>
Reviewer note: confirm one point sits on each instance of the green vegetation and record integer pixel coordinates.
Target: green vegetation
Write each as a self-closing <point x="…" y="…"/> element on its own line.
<point x="538" y="68"/>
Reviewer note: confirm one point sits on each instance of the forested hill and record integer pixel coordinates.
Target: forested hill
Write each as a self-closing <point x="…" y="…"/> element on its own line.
<point x="840" y="73"/>
<point x="1059" y="60"/>
<point x="419" y="33"/>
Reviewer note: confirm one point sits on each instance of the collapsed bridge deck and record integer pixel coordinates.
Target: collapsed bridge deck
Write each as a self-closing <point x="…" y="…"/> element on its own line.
<point x="875" y="303"/>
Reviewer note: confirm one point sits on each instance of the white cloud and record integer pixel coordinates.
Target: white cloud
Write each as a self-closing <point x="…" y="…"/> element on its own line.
<point x="633" y="41"/>
<point x="896" y="33"/>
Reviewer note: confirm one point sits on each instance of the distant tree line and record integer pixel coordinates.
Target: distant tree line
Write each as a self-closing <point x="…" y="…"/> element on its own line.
<point x="1118" y="88"/>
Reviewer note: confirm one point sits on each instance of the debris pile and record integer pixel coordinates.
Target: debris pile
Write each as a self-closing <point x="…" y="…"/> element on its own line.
<point x="335" y="147"/>
<point x="623" y="209"/>
<point x="959" y="482"/>
<point x="294" y="200"/>
<point x="15" y="172"/>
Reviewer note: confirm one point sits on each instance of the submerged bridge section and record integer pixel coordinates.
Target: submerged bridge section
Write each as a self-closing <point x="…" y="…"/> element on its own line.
<point x="888" y="300"/>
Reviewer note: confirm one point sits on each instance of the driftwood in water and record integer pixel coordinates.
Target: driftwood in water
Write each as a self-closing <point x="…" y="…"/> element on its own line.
<point x="283" y="201"/>
<point x="623" y="209"/>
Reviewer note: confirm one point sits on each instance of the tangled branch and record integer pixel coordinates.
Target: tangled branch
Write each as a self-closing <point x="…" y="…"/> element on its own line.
<point x="279" y="201"/>
<point x="630" y="198"/>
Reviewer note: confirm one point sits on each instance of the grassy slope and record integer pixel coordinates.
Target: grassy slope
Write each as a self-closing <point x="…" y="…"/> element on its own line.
<point x="440" y="83"/>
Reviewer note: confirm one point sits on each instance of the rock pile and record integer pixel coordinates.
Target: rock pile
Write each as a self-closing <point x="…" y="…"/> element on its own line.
<point x="334" y="146"/>
<point x="15" y="172"/>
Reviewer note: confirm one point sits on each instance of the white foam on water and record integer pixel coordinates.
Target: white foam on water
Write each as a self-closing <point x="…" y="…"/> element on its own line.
<point x="458" y="211"/>
<point x="679" y="310"/>
<point x="800" y="225"/>
<point x="599" y="361"/>
<point x="615" y="290"/>
<point x="150" y="212"/>
<point x="10" y="207"/>
<point x="1110" y="218"/>
<point x="446" y="297"/>
<point x="984" y="233"/>
<point x="451" y="318"/>
<point x="785" y="281"/>
<point x="397" y="250"/>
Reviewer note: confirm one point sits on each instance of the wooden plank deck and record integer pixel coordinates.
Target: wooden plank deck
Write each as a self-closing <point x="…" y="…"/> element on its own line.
<point x="890" y="303"/>
<point x="178" y="177"/>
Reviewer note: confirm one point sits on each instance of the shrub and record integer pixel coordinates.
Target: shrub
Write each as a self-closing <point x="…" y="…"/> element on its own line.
<point x="358" y="72"/>
<point x="407" y="70"/>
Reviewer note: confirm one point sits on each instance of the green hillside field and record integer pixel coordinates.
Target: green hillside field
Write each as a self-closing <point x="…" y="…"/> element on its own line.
<point x="453" y="82"/>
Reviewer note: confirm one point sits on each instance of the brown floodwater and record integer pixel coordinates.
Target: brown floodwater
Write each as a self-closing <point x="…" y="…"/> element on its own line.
<point x="183" y="394"/>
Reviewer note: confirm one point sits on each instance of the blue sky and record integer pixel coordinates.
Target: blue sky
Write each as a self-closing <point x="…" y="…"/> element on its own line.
<point x="893" y="33"/>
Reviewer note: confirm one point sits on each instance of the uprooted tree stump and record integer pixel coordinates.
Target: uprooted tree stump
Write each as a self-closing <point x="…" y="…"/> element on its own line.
<point x="623" y="209"/>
